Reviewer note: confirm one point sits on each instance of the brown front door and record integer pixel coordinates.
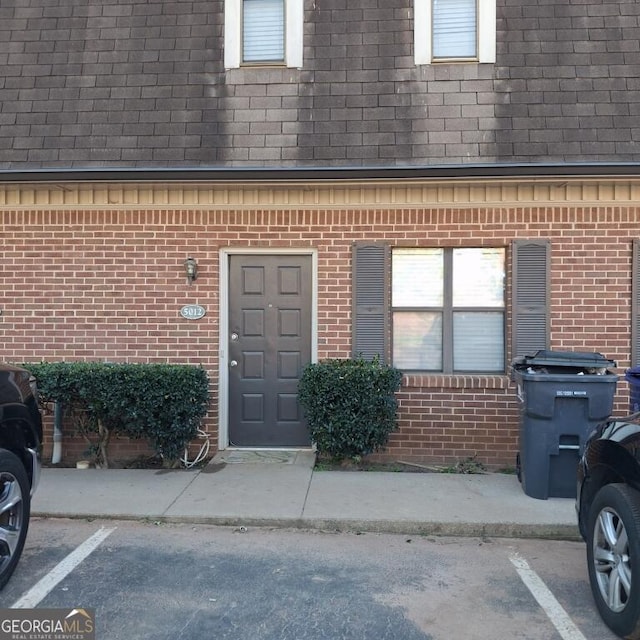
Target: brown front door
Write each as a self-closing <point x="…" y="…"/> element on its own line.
<point x="269" y="343"/>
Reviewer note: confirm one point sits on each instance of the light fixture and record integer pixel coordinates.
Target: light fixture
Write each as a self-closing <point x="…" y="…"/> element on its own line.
<point x="191" y="269"/>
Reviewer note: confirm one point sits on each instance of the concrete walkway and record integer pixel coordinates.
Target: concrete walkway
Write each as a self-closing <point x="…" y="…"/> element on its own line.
<point x="244" y="489"/>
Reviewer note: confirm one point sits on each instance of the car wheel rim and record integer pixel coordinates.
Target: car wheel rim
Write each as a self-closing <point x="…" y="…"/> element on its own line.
<point x="611" y="560"/>
<point x="11" y="517"/>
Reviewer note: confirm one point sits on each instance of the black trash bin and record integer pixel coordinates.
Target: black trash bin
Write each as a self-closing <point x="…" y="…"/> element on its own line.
<point x="562" y="395"/>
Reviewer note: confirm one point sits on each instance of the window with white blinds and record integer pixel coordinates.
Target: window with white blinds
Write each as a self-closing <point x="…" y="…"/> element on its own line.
<point x="455" y="27"/>
<point x="263" y="33"/>
<point x="448" y="309"/>
<point x="454" y="30"/>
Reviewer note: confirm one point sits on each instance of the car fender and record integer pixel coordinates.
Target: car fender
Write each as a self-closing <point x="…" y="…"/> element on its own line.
<point x="611" y="455"/>
<point x="19" y="427"/>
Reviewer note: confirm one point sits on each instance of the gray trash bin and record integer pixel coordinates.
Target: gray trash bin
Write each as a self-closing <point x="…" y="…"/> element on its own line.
<point x="562" y="395"/>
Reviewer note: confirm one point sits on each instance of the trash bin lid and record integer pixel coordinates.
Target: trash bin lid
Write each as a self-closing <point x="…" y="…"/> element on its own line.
<point x="580" y="359"/>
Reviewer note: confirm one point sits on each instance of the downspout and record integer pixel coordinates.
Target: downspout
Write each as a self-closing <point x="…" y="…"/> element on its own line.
<point x="56" y="456"/>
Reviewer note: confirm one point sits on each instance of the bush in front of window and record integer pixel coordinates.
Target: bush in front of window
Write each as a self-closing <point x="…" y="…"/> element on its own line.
<point x="350" y="405"/>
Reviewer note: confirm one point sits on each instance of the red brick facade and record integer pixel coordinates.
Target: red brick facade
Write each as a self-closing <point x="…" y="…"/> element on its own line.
<point x="107" y="283"/>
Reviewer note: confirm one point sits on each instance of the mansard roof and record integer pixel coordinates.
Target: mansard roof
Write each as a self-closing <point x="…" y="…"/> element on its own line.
<point x="126" y="84"/>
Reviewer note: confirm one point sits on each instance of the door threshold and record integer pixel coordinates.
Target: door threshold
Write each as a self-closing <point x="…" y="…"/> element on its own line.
<point x="265" y="456"/>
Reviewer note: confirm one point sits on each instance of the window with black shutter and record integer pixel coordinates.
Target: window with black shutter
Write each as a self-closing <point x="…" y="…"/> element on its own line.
<point x="370" y="300"/>
<point x="531" y="261"/>
<point x="461" y="332"/>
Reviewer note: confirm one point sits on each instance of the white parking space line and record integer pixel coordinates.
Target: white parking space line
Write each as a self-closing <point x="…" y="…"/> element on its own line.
<point x="558" y="616"/>
<point x="38" y="592"/>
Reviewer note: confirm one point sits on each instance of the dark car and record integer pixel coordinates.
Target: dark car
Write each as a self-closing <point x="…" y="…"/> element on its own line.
<point x="20" y="448"/>
<point x="608" y="506"/>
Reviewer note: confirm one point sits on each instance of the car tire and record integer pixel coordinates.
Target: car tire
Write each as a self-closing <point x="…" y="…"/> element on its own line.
<point x="613" y="558"/>
<point x="15" y="508"/>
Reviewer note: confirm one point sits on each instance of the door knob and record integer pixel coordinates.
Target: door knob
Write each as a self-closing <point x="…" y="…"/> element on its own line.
<point x="233" y="363"/>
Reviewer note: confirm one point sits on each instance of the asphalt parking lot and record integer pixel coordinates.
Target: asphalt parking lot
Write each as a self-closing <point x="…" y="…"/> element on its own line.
<point x="153" y="580"/>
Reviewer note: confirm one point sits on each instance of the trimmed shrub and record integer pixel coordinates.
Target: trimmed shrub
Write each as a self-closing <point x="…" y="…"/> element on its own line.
<point x="350" y="405"/>
<point x="160" y="402"/>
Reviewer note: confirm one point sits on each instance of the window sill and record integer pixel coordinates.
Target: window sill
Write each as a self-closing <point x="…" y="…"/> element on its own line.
<point x="455" y="381"/>
<point x="459" y="60"/>
<point x="272" y="64"/>
<point x="262" y="74"/>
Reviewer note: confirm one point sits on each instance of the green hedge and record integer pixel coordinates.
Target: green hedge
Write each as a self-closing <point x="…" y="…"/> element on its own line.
<point x="160" y="402"/>
<point x="350" y="405"/>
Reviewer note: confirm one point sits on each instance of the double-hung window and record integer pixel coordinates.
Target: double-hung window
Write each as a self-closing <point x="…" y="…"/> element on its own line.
<point x="454" y="30"/>
<point x="263" y="32"/>
<point x="448" y="309"/>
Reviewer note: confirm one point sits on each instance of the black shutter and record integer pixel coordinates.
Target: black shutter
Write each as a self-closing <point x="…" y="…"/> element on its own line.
<point x="635" y="305"/>
<point x="531" y="266"/>
<point x="370" y="300"/>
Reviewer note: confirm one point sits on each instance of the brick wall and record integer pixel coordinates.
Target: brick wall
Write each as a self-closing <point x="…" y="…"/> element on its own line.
<point x="108" y="285"/>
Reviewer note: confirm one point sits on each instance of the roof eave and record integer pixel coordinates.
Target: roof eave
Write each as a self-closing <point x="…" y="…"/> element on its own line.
<point x="318" y="174"/>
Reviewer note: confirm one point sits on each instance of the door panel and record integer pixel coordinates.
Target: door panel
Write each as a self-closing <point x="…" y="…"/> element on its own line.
<point x="269" y="344"/>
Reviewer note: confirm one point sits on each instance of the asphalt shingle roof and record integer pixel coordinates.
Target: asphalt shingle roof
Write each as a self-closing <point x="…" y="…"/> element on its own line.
<point x="131" y="83"/>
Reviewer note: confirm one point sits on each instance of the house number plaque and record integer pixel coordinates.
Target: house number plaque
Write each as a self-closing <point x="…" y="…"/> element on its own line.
<point x="192" y="311"/>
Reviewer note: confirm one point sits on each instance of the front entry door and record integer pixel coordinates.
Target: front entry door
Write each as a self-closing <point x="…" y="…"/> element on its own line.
<point x="269" y="343"/>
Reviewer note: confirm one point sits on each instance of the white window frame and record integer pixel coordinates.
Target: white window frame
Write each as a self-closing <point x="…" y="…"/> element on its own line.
<point x="447" y="308"/>
<point x="294" y="23"/>
<point x="423" y="29"/>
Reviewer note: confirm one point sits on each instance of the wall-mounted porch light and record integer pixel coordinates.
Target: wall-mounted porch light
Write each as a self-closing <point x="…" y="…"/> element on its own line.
<point x="191" y="269"/>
